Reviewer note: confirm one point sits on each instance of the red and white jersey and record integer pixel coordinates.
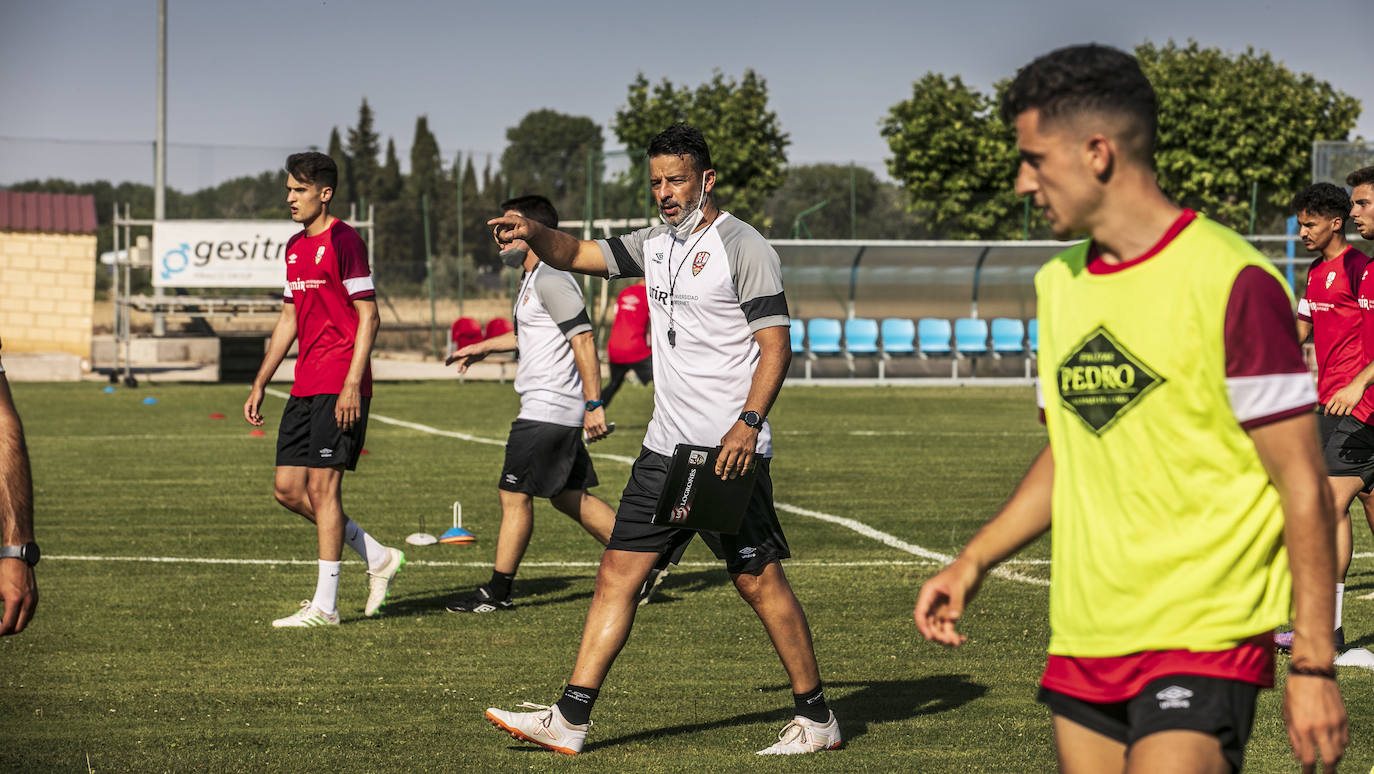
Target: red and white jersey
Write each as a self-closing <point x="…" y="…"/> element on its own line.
<point x="629" y="333"/>
<point x="1364" y="410"/>
<point x="1330" y="304"/>
<point x="325" y="274"/>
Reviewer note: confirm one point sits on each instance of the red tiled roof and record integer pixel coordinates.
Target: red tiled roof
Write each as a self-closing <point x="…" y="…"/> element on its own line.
<point x="47" y="212"/>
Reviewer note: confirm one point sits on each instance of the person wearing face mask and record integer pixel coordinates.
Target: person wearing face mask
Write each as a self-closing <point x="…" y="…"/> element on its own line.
<point x="559" y="382"/>
<point x="721" y="350"/>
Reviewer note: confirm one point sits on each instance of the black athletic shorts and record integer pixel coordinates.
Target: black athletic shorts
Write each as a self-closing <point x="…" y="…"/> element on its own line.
<point x="309" y="435"/>
<point x="1326" y="424"/>
<point x="543" y="459"/>
<point x="1214" y="706"/>
<point x="1350" y="450"/>
<point x="760" y="540"/>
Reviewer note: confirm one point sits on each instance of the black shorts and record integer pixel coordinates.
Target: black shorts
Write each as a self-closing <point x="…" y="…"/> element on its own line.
<point x="643" y="370"/>
<point x="1350" y="450"/>
<point x="1214" y="706"/>
<point x="309" y="435"/>
<point x="543" y="459"/>
<point x="760" y="540"/>
<point x="1326" y="424"/>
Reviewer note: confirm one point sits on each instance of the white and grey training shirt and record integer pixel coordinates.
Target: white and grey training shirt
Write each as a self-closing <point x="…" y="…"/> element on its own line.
<point x="549" y="312"/>
<point x="725" y="283"/>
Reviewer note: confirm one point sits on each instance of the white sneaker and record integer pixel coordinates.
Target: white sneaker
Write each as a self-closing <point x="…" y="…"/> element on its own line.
<point x="545" y="727"/>
<point x="379" y="582"/>
<point x="806" y="736"/>
<point x="307" y="616"/>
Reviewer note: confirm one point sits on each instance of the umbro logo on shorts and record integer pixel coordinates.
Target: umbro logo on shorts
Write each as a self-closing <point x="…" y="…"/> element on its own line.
<point x="748" y="552"/>
<point x="1174" y="697"/>
<point x="326" y="453"/>
<point x="511" y="478"/>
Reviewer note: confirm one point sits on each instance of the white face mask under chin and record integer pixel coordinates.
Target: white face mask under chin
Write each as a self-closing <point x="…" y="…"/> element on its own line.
<point x="688" y="224"/>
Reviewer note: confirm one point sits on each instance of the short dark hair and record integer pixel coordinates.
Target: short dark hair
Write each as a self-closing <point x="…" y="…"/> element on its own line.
<point x="1325" y="199"/>
<point x="1083" y="79"/>
<point x="535" y="207"/>
<point x="682" y="139"/>
<point x="313" y="167"/>
<point x="1361" y="176"/>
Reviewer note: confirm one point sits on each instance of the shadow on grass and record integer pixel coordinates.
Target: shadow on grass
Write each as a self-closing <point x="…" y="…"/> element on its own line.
<point x="882" y="701"/>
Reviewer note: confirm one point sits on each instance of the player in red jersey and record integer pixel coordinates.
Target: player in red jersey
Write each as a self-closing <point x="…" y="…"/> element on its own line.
<point x="628" y="348"/>
<point x="331" y="309"/>
<point x="1329" y="312"/>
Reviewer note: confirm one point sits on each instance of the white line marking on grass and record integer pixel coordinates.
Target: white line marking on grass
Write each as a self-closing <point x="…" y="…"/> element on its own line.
<point x="433" y="563"/>
<point x="857" y="526"/>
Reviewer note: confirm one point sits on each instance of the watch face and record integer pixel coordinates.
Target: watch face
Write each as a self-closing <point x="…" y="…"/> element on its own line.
<point x="31" y="552"/>
<point x="752" y="418"/>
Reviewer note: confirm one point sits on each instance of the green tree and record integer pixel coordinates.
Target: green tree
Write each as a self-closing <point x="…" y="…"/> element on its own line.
<point x="748" y="146"/>
<point x="343" y="194"/>
<point x="1230" y="122"/>
<point x="877" y="205"/>
<point x="546" y="154"/>
<point x="956" y="160"/>
<point x="426" y="165"/>
<point x="389" y="181"/>
<point x="362" y="155"/>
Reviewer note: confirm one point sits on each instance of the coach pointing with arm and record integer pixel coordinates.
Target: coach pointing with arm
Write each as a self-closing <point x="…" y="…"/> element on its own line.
<point x="719" y="324"/>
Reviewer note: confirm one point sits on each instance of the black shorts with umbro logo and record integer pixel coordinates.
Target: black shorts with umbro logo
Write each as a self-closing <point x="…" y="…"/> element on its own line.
<point x="309" y="435"/>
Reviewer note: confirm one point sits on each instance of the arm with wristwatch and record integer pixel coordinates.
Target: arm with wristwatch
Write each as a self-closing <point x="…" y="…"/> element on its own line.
<point x="18" y="554"/>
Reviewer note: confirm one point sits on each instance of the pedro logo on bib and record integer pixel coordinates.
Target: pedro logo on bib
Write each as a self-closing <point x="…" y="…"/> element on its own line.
<point x="1100" y="380"/>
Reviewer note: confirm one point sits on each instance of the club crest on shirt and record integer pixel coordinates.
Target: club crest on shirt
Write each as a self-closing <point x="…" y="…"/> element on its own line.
<point x="319" y="256"/>
<point x="699" y="262"/>
<point x="1330" y="278"/>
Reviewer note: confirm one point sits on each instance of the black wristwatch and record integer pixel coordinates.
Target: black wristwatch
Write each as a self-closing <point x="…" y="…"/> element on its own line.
<point x="28" y="552"/>
<point x="593" y="405"/>
<point x="751" y="419"/>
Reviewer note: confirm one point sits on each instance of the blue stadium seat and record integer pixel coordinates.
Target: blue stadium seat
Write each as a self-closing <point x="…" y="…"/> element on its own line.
<point x="971" y="339"/>
<point x="861" y="338"/>
<point x="933" y="336"/>
<point x="1032" y="343"/>
<point x="798" y="330"/>
<point x="824" y="335"/>
<point x="899" y="336"/>
<point x="1008" y="336"/>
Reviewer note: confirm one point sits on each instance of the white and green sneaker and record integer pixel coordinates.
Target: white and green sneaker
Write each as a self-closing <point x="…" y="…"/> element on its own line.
<point x="806" y="736"/>
<point x="307" y="616"/>
<point x="379" y="582"/>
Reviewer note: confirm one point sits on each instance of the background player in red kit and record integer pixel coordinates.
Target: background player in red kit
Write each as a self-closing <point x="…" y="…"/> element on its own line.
<point x="1329" y="311"/>
<point x="628" y="348"/>
<point x="331" y="308"/>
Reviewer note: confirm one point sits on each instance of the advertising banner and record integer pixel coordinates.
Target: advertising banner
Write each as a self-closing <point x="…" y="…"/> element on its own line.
<point x="221" y="253"/>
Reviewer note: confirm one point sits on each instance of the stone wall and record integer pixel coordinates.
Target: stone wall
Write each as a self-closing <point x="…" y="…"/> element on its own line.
<point x="47" y="291"/>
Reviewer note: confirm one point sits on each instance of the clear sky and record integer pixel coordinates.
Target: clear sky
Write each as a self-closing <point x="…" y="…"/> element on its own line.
<point x="250" y="80"/>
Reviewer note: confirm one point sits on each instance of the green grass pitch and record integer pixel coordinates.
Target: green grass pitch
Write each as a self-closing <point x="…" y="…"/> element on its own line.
<point x="142" y="661"/>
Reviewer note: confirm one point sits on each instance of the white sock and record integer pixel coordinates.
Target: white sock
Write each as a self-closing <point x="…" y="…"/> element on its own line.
<point x="327" y="587"/>
<point x="372" y="552"/>
<point x="1340" y="596"/>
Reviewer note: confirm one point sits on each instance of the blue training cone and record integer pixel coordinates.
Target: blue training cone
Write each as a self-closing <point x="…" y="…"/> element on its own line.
<point x="108" y="390"/>
<point x="457" y="536"/>
<point x="150" y="400"/>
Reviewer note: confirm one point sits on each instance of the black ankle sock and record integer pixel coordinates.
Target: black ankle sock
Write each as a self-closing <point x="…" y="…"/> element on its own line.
<point x="576" y="704"/>
<point x="811" y="705"/>
<point x="500" y="584"/>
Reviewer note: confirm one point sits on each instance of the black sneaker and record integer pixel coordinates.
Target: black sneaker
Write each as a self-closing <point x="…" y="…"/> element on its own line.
<point x="479" y="601"/>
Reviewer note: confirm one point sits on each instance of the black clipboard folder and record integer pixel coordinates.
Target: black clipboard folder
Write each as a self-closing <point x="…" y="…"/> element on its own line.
<point x="694" y="497"/>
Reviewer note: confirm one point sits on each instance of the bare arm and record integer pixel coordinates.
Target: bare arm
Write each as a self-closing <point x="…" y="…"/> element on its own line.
<point x="775" y="355"/>
<point x="349" y="406"/>
<point x="556" y="248"/>
<point x="18" y="587"/>
<point x="1312" y="706"/>
<point x="1304" y="330"/>
<point x="1025" y="517"/>
<point x="1347" y="397"/>
<point x="283" y="334"/>
<point x="589" y="368"/>
<point x="474" y="352"/>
